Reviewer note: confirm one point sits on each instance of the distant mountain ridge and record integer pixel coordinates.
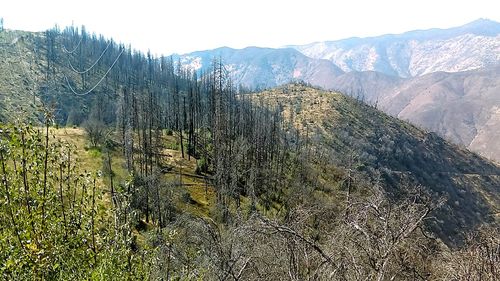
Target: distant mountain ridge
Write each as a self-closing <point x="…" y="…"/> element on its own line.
<point x="471" y="46"/>
<point x="256" y="67"/>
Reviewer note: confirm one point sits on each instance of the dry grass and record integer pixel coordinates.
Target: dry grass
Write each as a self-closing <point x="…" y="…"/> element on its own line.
<point x="305" y="107"/>
<point x="89" y="159"/>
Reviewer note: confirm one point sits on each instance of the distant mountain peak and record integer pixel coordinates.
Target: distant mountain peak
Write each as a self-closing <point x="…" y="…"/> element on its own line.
<point x="482" y="22"/>
<point x="257" y="67"/>
<point x="482" y="26"/>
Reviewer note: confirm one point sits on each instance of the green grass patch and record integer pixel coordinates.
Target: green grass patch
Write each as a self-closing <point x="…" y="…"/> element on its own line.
<point x="94" y="152"/>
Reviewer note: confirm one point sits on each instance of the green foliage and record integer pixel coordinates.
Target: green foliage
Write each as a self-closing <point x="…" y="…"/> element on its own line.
<point x="46" y="206"/>
<point x="201" y="166"/>
<point x="95" y="152"/>
<point x="49" y="216"/>
<point x="173" y="145"/>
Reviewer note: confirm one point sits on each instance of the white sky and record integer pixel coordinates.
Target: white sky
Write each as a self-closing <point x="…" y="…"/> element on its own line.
<point x="182" y="26"/>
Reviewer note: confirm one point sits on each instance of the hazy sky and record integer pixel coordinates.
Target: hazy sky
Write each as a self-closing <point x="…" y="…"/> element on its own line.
<point x="187" y="25"/>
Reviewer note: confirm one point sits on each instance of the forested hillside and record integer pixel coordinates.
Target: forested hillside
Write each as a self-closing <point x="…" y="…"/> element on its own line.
<point x="179" y="176"/>
<point x="348" y="134"/>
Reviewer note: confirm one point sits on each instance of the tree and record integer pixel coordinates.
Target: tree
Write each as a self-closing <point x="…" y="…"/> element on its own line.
<point x="478" y="259"/>
<point x="381" y="239"/>
<point x="46" y="229"/>
<point x="96" y="131"/>
<point x="384" y="238"/>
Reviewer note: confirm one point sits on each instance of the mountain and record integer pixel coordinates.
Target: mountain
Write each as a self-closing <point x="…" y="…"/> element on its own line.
<point x="463" y="107"/>
<point x="471" y="46"/>
<point x="314" y="185"/>
<point x="445" y="80"/>
<point x="264" y="67"/>
<point x="68" y="72"/>
<point x="350" y="134"/>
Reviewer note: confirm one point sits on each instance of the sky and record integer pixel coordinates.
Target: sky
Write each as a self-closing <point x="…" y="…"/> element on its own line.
<point x="182" y="26"/>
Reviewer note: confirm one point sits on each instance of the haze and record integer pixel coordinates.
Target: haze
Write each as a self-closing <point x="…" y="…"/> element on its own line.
<point x="166" y="27"/>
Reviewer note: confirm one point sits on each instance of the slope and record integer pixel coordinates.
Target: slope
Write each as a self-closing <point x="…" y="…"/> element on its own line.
<point x="401" y="73"/>
<point x="352" y="135"/>
<point x="19" y="72"/>
<point x="462" y="107"/>
<point x="68" y="74"/>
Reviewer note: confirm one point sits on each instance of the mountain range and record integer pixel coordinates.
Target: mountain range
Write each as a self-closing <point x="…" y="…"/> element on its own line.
<point x="471" y="46"/>
<point x="445" y="80"/>
<point x="255" y="67"/>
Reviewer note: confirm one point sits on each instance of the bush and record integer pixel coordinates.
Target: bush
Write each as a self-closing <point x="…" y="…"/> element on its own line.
<point x="186" y="198"/>
<point x="201" y="166"/>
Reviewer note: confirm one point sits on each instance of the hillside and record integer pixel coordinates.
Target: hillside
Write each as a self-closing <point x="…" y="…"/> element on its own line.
<point x="444" y="80"/>
<point x="20" y="73"/>
<point x="346" y="131"/>
<point x="69" y="73"/>
<point x="470" y="118"/>
<point x="462" y="107"/>
<point x="471" y="46"/>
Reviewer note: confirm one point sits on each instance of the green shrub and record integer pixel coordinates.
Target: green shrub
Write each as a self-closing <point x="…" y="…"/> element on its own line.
<point x="186" y="198"/>
<point x="201" y="166"/>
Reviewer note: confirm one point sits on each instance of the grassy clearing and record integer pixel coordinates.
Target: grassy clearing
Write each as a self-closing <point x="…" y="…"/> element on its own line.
<point x="193" y="193"/>
<point x="181" y="172"/>
<point x="89" y="158"/>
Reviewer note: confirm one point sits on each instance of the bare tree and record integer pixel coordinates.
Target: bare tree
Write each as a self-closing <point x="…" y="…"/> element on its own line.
<point x="96" y="131"/>
<point x="479" y="259"/>
<point x="384" y="239"/>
